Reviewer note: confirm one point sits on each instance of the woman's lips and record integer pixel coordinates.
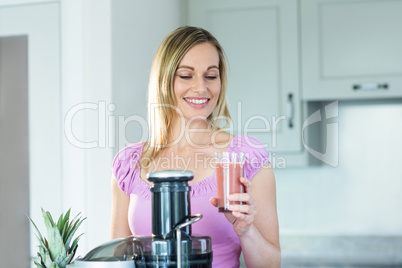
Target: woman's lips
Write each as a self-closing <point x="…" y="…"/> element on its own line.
<point x="197" y="102"/>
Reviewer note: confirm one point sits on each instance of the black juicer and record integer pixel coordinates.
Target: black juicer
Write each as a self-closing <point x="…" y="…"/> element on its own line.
<point x="171" y="243"/>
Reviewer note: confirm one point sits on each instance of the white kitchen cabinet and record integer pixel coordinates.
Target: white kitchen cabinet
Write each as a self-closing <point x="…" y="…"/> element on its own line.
<point x="260" y="39"/>
<point x="351" y="49"/>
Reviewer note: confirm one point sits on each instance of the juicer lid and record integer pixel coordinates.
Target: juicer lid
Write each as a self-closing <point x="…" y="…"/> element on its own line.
<point x="170" y="175"/>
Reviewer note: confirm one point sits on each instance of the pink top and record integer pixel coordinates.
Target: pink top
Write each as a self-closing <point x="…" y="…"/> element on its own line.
<point x="225" y="243"/>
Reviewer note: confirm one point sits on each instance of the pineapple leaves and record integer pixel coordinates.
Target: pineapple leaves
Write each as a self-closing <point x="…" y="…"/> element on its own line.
<point x="45" y="256"/>
<point x="71" y="230"/>
<point x="62" y="221"/>
<point x="40" y="238"/>
<point x="56" y="245"/>
<point x="73" y="248"/>
<point x="55" y="250"/>
<point x="66" y="260"/>
<point x="38" y="265"/>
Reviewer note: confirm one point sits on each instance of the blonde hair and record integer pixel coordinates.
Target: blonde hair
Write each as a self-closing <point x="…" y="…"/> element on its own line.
<point x="161" y="100"/>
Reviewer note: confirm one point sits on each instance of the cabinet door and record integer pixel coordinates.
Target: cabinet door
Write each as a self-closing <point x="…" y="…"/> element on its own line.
<point x="260" y="41"/>
<point x="351" y="49"/>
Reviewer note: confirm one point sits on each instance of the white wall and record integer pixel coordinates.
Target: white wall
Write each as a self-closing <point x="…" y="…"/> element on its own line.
<point x="138" y="29"/>
<point x="106" y="81"/>
<point x="98" y="83"/>
<point x="86" y="87"/>
<point x="362" y="196"/>
<point x="107" y="51"/>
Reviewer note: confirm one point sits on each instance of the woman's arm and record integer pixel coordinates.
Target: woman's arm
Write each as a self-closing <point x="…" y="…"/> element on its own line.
<point x="256" y="221"/>
<point x="260" y="238"/>
<point x="119" y="220"/>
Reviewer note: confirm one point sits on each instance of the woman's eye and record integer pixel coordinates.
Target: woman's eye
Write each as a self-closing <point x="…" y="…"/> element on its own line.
<point x="211" y="77"/>
<point x="185" y="76"/>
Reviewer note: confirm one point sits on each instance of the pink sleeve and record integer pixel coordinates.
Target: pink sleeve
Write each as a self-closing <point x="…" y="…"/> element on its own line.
<point x="256" y="154"/>
<point x="125" y="167"/>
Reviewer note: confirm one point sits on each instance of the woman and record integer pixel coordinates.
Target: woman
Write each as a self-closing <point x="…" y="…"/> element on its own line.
<point x="187" y="102"/>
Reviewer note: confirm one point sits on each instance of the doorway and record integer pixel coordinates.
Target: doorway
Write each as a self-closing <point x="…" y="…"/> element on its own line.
<point x="14" y="152"/>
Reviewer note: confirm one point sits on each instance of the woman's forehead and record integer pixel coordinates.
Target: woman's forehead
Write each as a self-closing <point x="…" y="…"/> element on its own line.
<point x="204" y="54"/>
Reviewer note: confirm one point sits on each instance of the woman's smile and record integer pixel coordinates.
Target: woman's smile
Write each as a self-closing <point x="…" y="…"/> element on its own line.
<point x="197" y="103"/>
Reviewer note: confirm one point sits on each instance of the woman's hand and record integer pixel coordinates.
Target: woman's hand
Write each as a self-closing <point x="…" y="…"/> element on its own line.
<point x="242" y="216"/>
<point x="258" y="230"/>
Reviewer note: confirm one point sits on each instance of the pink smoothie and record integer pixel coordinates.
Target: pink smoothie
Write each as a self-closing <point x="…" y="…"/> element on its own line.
<point x="228" y="182"/>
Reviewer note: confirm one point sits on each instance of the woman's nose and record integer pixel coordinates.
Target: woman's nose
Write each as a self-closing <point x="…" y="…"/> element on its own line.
<point x="199" y="85"/>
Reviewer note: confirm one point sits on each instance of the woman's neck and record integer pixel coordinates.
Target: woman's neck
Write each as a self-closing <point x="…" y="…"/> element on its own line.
<point x="196" y="133"/>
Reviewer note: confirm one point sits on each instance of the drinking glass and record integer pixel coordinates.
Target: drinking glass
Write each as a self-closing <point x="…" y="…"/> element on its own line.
<point x="229" y="168"/>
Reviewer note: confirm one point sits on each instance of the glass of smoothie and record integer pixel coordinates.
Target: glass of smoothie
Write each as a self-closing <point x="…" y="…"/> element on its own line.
<point x="229" y="168"/>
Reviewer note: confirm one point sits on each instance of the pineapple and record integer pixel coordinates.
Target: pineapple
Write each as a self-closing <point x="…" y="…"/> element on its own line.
<point x="55" y="251"/>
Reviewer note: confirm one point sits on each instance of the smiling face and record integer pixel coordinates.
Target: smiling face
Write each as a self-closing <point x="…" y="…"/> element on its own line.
<point x="197" y="81"/>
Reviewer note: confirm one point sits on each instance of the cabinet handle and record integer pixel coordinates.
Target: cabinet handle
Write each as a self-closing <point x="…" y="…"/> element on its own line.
<point x="370" y="86"/>
<point x="290" y="110"/>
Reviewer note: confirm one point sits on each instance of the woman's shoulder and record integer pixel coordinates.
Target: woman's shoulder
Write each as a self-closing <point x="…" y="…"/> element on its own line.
<point x="239" y="143"/>
<point x="255" y="153"/>
<point x="130" y="150"/>
<point x="128" y="155"/>
<point x="246" y="144"/>
<point x="125" y="166"/>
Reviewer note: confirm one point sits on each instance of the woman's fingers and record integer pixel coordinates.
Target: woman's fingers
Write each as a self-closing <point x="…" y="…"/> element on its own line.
<point x="214" y="201"/>
<point x="241" y="217"/>
<point x="246" y="183"/>
<point x="243" y="214"/>
<point x="248" y="204"/>
<point x="244" y="197"/>
<point x="246" y="209"/>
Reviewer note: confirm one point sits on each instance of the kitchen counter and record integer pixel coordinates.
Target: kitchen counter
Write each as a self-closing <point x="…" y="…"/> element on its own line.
<point x="341" y="251"/>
